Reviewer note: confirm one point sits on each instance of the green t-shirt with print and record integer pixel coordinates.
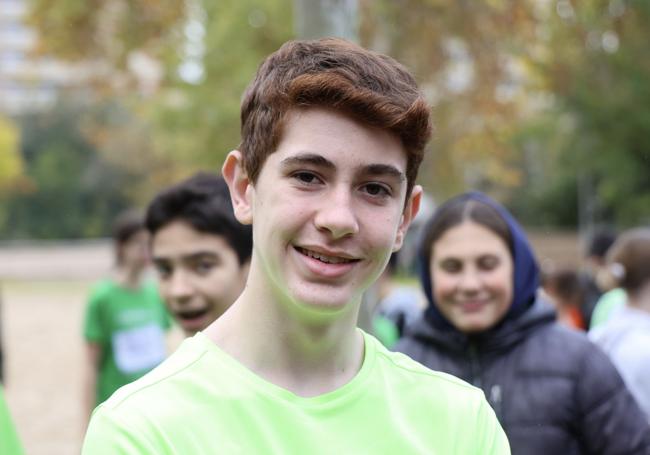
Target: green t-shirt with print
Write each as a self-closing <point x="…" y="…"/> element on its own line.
<point x="129" y="325"/>
<point x="9" y="443"/>
<point x="202" y="401"/>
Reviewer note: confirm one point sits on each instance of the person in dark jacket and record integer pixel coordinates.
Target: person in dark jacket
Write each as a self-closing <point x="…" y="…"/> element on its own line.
<point x="553" y="391"/>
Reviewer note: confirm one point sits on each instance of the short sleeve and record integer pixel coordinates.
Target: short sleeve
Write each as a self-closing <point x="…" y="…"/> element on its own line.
<point x="107" y="436"/>
<point x="94" y="329"/>
<point x="490" y="437"/>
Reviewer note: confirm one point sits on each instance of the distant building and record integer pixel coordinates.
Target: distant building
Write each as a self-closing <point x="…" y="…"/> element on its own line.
<point x="29" y="83"/>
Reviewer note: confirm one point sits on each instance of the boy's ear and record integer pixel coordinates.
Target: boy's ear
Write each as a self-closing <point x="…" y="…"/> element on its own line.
<point x="240" y="186"/>
<point x="411" y="209"/>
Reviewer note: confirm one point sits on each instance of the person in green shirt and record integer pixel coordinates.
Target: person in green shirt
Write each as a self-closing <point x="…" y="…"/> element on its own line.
<point x="125" y="319"/>
<point x="9" y="442"/>
<point x="332" y="138"/>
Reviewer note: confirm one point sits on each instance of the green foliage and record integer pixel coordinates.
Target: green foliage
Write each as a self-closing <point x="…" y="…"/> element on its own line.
<point x="108" y="29"/>
<point x="599" y="73"/>
<point x="86" y="164"/>
<point x="556" y="113"/>
<point x="559" y="96"/>
<point x="73" y="192"/>
<point x="11" y="166"/>
<point x="198" y="124"/>
<point x="461" y="53"/>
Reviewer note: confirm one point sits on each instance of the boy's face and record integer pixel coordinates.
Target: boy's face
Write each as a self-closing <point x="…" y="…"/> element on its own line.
<point x="327" y="210"/>
<point x="135" y="251"/>
<point x="200" y="274"/>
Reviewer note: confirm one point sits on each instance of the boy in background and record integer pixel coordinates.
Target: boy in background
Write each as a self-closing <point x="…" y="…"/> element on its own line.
<point x="125" y="320"/>
<point x="200" y="251"/>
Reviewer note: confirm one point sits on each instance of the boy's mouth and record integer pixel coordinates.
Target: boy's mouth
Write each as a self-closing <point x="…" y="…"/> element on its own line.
<point x="188" y="315"/>
<point x="327" y="259"/>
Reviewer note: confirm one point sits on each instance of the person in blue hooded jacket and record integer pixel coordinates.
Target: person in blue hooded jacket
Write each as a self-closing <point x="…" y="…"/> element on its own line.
<point x="551" y="388"/>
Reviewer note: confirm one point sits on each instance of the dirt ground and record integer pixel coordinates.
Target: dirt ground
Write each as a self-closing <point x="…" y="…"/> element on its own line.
<point x="41" y="325"/>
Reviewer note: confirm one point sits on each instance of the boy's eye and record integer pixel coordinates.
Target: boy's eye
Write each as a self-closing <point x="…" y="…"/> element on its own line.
<point x="306" y="177"/>
<point x="163" y="270"/>
<point x="376" y="189"/>
<point x="204" y="267"/>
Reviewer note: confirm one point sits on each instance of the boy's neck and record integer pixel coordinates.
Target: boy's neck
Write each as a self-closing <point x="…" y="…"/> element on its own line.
<point x="304" y="357"/>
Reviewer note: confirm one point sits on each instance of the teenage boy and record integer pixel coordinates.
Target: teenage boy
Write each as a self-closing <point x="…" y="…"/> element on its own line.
<point x="332" y="136"/>
<point x="199" y="249"/>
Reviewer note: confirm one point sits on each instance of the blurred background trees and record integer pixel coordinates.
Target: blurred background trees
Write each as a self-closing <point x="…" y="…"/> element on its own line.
<point x="544" y="104"/>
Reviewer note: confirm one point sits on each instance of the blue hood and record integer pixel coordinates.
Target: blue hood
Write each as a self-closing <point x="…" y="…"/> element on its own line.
<point x="526" y="270"/>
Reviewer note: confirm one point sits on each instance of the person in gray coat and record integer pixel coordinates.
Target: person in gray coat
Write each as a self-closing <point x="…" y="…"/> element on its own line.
<point x="553" y="391"/>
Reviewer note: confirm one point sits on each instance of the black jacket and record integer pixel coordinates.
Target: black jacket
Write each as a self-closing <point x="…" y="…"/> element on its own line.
<point x="553" y="391"/>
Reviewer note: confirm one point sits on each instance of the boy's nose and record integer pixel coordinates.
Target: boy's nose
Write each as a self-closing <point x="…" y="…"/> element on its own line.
<point x="179" y="287"/>
<point x="337" y="215"/>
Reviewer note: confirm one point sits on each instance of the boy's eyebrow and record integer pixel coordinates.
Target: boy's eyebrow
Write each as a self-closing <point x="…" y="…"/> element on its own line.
<point x="318" y="160"/>
<point x="188" y="257"/>
<point x="308" y="158"/>
<point x="200" y="255"/>
<point x="385" y="169"/>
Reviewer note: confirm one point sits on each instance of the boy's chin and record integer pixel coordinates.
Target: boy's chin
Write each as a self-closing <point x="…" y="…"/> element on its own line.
<point x="322" y="307"/>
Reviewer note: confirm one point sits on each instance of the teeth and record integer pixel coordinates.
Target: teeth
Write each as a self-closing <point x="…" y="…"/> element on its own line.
<point x="326" y="259"/>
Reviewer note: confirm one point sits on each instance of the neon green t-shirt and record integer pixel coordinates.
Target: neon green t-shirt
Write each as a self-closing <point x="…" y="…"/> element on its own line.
<point x="202" y="401"/>
<point x="129" y="325"/>
<point x="9" y="443"/>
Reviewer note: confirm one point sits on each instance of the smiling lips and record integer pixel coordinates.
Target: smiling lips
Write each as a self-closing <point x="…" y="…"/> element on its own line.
<point x="326" y="265"/>
<point x="473" y="306"/>
<point x="325" y="258"/>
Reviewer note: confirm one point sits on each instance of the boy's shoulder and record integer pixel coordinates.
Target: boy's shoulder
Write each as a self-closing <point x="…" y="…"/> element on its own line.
<point x="421" y="381"/>
<point x="103" y="285"/>
<point x="180" y="367"/>
<point x="436" y="402"/>
<point x="101" y="289"/>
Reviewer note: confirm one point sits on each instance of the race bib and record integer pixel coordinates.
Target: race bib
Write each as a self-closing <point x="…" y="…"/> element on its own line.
<point x="138" y="349"/>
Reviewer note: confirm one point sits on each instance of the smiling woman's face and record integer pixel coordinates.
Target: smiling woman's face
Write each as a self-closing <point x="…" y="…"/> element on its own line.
<point x="472" y="276"/>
